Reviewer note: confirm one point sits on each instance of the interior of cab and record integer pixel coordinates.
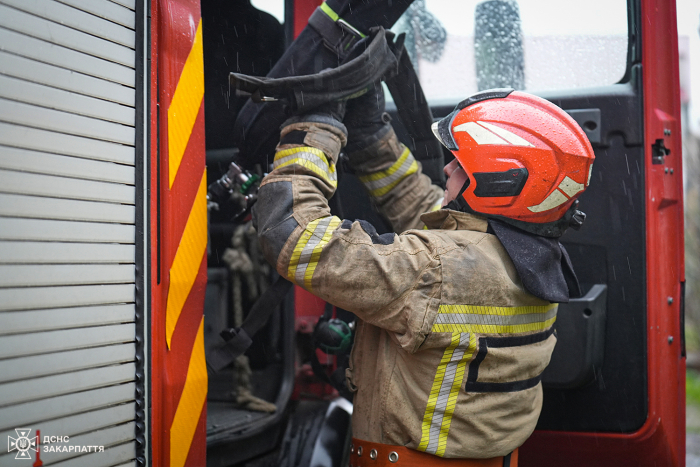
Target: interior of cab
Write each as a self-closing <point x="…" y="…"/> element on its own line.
<point x="268" y="408"/>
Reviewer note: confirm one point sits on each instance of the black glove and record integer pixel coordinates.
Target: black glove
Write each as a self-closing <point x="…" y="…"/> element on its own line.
<point x="334" y="109"/>
<point x="320" y="127"/>
<point x="366" y="119"/>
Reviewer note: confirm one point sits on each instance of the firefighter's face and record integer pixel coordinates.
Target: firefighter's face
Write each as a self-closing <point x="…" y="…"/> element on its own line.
<point x="456" y="178"/>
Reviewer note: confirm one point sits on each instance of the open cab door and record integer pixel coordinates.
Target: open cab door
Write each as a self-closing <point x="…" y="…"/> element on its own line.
<point x="614" y="393"/>
<point x="633" y="411"/>
<point x="615" y="389"/>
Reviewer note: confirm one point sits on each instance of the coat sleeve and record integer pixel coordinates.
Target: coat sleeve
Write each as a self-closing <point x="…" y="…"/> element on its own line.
<point x="395" y="182"/>
<point x="345" y="263"/>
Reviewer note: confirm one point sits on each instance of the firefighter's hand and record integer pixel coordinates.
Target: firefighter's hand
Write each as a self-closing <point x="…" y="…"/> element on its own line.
<point x="366" y="119"/>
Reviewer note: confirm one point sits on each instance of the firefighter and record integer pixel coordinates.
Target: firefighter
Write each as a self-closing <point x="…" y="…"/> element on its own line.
<point x="456" y="312"/>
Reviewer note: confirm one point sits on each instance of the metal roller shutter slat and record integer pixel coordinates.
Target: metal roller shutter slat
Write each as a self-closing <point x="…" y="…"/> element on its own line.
<point x="112" y="436"/>
<point x="39" y="28"/>
<point x="65" y="166"/>
<point x="44" y="275"/>
<point x="55" y="341"/>
<point x="51" y="386"/>
<point x="63" y="122"/>
<point x="108" y="458"/>
<point x="76" y="19"/>
<point x="84" y="422"/>
<point x="62" y="297"/>
<point x="52" y="98"/>
<point x="105" y="9"/>
<point x="12" y="322"/>
<point x="54" y="208"/>
<point x="65" y="231"/>
<point x="53" y="54"/>
<point x="63" y="187"/>
<point x="61" y="78"/>
<point x="49" y="141"/>
<point x="61" y="362"/>
<point x="62" y="253"/>
<point x="62" y="406"/>
<point x="130" y="4"/>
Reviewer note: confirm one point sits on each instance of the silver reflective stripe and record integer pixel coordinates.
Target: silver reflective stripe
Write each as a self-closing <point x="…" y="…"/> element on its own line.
<point x="320" y="163"/>
<point x="479" y="134"/>
<point x="308" y="250"/>
<point x="493" y="319"/>
<point x="444" y="394"/>
<point x="397" y="175"/>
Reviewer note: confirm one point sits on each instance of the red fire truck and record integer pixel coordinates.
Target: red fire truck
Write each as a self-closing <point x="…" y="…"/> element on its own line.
<point x="115" y="281"/>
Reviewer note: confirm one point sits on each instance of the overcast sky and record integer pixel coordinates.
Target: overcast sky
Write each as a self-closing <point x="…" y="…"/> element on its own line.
<point x="552" y="17"/>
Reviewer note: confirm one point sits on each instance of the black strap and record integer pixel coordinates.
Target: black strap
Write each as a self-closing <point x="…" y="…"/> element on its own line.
<point x="239" y="339"/>
<point x="338" y="35"/>
<point x="506" y="460"/>
<point x="293" y="137"/>
<point x="415" y="115"/>
<point x="372" y="60"/>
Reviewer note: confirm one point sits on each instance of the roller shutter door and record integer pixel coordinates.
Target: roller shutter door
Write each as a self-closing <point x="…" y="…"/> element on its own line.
<point x="68" y="227"/>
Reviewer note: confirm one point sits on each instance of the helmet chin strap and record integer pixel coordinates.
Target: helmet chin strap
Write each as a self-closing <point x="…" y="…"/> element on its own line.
<point x="459" y="203"/>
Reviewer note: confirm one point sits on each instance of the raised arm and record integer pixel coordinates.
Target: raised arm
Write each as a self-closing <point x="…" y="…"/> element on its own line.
<point x="345" y="263"/>
<point x="386" y="167"/>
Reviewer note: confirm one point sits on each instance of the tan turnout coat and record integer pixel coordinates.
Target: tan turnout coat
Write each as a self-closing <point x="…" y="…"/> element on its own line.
<point x="450" y="347"/>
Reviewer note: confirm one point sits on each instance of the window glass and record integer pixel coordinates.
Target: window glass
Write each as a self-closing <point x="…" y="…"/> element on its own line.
<point x="274" y="7"/>
<point x="460" y="47"/>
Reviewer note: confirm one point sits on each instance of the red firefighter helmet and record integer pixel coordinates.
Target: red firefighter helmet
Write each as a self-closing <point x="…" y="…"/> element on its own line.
<point x="527" y="160"/>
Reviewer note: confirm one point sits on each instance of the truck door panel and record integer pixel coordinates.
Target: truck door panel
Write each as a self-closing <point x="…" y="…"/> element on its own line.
<point x="613" y="390"/>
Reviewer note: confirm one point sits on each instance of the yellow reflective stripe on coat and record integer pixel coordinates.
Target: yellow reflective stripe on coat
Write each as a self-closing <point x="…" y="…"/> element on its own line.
<point x="380" y="183"/>
<point x="310" y="158"/>
<point x="436" y="206"/>
<point x="494" y="319"/>
<point x="307" y="251"/>
<point x="443" y="394"/>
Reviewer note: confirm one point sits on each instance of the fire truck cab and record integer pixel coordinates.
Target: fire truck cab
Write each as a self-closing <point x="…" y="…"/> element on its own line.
<point x="116" y="280"/>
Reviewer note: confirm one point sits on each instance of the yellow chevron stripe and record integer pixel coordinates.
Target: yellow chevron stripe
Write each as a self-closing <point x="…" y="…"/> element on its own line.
<point x="494" y="328"/>
<point x="192" y="400"/>
<point x="185" y="105"/>
<point x="454" y="392"/>
<point x="316" y="255"/>
<point x="187" y="259"/>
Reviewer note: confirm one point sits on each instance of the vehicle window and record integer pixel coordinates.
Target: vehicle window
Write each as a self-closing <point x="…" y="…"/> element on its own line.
<point x="274" y="7"/>
<point x="461" y="47"/>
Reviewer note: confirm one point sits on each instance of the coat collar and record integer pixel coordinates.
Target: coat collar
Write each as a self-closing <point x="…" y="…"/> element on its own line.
<point x="447" y="219"/>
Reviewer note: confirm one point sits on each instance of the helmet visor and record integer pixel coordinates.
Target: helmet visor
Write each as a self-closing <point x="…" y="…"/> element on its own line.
<point x="442" y="129"/>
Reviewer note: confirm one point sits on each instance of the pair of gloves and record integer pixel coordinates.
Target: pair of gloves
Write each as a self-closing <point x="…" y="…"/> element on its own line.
<point x="363" y="118"/>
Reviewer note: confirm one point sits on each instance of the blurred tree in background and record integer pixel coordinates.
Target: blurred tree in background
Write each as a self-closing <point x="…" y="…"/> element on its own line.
<point x="689" y="33"/>
<point x="691" y="154"/>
